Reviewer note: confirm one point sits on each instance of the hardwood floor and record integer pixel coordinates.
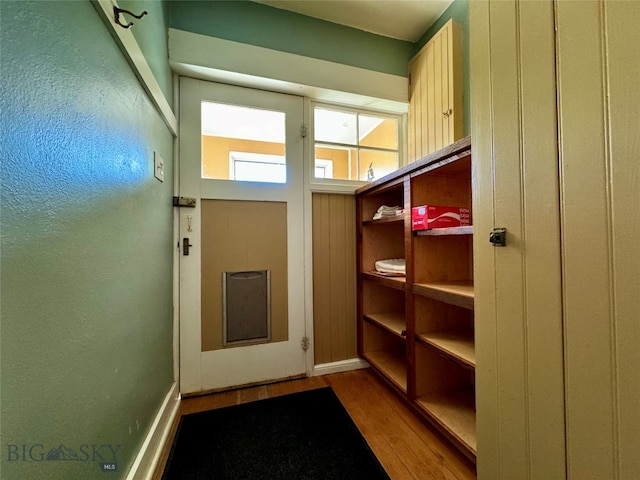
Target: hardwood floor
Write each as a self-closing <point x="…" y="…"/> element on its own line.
<point x="404" y="443"/>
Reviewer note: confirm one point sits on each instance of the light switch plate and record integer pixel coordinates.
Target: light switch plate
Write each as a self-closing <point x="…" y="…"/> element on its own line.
<point x="158" y="166"/>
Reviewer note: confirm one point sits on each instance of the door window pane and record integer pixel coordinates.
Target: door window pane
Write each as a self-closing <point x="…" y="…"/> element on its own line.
<point x="246" y="133"/>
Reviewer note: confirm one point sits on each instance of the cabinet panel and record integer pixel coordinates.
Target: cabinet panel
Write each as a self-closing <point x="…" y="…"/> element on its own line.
<point x="598" y="78"/>
<point x="624" y="73"/>
<point x="438" y="101"/>
<point x="518" y="301"/>
<point x="427" y="103"/>
<point x="435" y="93"/>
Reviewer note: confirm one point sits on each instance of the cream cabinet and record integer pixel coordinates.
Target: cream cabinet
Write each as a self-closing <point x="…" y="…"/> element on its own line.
<point x="435" y="93"/>
<point x="556" y="149"/>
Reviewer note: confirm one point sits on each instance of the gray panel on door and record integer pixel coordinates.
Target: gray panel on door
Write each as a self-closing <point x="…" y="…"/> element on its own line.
<point x="246" y="306"/>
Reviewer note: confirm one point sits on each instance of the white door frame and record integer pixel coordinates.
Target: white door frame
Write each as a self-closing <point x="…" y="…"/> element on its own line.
<point x="193" y="362"/>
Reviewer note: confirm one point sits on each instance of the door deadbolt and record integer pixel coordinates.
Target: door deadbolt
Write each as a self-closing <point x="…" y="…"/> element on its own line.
<point x="498" y="237"/>
<point x="185" y="246"/>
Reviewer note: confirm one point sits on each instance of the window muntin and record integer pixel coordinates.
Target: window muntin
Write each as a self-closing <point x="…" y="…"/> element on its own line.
<point x="362" y="146"/>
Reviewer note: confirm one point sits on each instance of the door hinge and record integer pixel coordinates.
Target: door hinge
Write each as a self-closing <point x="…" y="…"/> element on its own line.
<point x="304" y="343"/>
<point x="304" y="131"/>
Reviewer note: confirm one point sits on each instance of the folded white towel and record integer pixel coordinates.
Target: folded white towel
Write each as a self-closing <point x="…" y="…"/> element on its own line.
<point x="391" y="265"/>
<point x="385" y="211"/>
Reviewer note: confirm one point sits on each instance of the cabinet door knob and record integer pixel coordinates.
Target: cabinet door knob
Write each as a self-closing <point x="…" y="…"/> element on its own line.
<point x="498" y="237"/>
<point x="447" y="113"/>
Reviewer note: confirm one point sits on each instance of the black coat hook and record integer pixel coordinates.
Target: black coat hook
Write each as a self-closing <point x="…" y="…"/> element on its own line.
<point x="117" y="11"/>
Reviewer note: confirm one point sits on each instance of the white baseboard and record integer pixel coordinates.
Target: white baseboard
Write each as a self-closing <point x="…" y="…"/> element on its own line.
<point x="337" y="367"/>
<point x="149" y="454"/>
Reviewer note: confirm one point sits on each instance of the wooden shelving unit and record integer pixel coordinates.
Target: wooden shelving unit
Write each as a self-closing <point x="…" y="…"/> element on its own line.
<point x="417" y="331"/>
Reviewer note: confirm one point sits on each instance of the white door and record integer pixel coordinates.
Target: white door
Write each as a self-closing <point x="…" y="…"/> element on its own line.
<point x="242" y="117"/>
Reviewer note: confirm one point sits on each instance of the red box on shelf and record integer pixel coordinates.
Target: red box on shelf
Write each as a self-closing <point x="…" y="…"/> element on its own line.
<point x="426" y="217"/>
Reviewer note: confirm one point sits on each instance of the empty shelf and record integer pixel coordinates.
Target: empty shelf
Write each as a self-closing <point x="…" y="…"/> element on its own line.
<point x="391" y="364"/>
<point x="457" y="344"/>
<point x="393" y="322"/>
<point x="398" y="283"/>
<point x="455" y="411"/>
<point x="458" y="293"/>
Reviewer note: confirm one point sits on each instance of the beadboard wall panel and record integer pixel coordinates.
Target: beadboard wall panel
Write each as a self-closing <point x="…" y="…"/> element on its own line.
<point x="334" y="277"/>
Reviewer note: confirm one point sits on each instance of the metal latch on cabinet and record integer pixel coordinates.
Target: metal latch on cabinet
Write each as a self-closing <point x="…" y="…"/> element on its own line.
<point x="188" y="202"/>
<point x="498" y="237"/>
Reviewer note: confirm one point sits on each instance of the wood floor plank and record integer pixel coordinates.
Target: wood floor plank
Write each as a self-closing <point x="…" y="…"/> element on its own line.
<point x="207" y="402"/>
<point x="379" y="443"/>
<point x="418" y="458"/>
<point x="455" y="461"/>
<point x="407" y="447"/>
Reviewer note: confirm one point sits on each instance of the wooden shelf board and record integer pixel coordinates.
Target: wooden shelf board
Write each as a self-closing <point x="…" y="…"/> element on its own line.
<point x="458" y="293"/>
<point x="399" y="283"/>
<point x="391" y="365"/>
<point x="457" y="344"/>
<point x="453" y="165"/>
<point x="393" y="322"/>
<point x="460" y="149"/>
<point x="435" y="232"/>
<point x="396" y="219"/>
<point x="455" y="412"/>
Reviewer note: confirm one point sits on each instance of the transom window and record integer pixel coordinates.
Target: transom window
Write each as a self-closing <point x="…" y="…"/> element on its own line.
<point x="243" y="143"/>
<point x="354" y="145"/>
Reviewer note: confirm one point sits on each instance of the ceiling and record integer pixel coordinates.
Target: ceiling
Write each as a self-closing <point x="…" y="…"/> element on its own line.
<point x="400" y="19"/>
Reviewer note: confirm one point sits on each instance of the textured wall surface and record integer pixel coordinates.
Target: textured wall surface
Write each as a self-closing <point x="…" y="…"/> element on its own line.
<point x="268" y="27"/>
<point x="86" y="252"/>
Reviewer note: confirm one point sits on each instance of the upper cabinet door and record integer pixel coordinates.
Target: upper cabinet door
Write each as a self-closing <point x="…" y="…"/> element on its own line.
<point x="435" y="93"/>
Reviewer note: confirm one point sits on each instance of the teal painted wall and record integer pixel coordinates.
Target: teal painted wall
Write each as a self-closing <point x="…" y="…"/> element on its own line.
<point x="86" y="247"/>
<point x="459" y="11"/>
<point x="264" y="26"/>
<point x="150" y="33"/>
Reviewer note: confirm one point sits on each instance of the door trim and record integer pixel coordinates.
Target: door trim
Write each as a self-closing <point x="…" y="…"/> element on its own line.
<point x="194" y="362"/>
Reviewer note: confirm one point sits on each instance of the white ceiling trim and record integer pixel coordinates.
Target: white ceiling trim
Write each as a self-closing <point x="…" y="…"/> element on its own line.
<point x="210" y="58"/>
